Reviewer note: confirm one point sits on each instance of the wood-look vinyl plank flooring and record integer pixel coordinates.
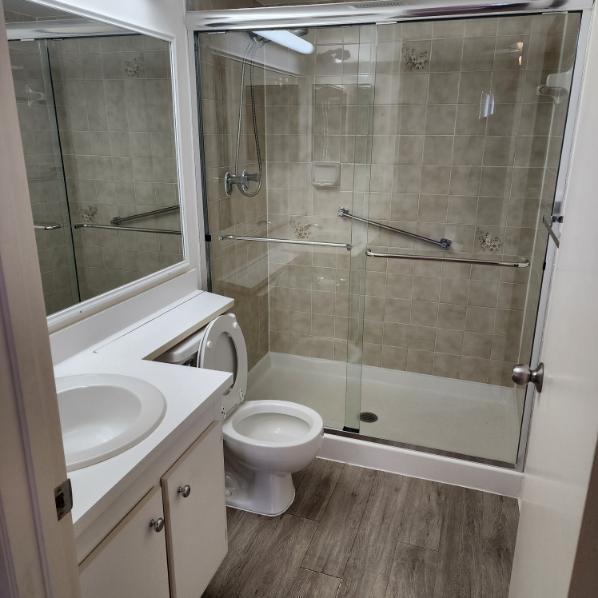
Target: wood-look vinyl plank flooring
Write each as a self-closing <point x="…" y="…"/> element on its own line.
<point x="360" y="533"/>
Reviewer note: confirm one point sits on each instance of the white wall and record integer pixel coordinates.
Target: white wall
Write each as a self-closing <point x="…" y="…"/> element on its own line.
<point x="565" y="419"/>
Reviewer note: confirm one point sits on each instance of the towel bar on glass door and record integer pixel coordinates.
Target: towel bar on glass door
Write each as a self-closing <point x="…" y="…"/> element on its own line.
<point x="47" y="226"/>
<point x="521" y="263"/>
<point x="346" y="246"/>
<point x="137" y="229"/>
<point x="159" y="212"/>
<point x="442" y="243"/>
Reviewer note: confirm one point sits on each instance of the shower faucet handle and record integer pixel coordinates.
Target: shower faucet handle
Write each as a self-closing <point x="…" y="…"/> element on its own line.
<point x="523" y="374"/>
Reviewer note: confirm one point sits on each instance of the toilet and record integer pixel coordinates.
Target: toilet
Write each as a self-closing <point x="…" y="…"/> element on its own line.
<point x="264" y="441"/>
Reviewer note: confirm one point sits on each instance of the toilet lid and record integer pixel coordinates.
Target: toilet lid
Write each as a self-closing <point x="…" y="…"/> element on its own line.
<point x="223" y="348"/>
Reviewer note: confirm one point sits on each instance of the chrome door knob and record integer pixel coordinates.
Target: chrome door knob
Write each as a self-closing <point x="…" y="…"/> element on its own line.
<point x="523" y="374"/>
<point x="184" y="491"/>
<point x="157" y="524"/>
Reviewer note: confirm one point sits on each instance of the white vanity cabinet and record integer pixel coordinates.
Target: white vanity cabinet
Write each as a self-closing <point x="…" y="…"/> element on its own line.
<point x="131" y="561"/>
<point x="193" y="491"/>
<point x="173" y="541"/>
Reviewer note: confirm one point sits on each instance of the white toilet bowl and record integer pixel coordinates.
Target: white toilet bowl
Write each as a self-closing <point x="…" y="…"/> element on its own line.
<point x="265" y="442"/>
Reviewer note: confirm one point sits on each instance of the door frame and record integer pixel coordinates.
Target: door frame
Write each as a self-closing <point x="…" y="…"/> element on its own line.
<point x="37" y="550"/>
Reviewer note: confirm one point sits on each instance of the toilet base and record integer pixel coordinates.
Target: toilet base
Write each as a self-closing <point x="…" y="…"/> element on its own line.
<point x="260" y="492"/>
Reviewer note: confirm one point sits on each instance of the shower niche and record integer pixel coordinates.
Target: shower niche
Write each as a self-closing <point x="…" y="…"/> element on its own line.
<point x="96" y="118"/>
<point x="388" y="271"/>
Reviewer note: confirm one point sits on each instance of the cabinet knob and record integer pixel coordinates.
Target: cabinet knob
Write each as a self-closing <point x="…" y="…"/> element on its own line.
<point x="157" y="524"/>
<point x="184" y="491"/>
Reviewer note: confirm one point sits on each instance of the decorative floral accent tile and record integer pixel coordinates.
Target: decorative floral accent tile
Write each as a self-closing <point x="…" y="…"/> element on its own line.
<point x="490" y="243"/>
<point x="133" y="67"/>
<point x="302" y="231"/>
<point x="88" y="214"/>
<point x="415" y="60"/>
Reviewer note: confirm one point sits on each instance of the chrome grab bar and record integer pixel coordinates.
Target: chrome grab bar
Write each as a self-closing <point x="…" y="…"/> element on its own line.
<point x="522" y="263"/>
<point x="138" y="229"/>
<point x="47" y="226"/>
<point x="120" y="219"/>
<point x="443" y="243"/>
<point x="346" y="246"/>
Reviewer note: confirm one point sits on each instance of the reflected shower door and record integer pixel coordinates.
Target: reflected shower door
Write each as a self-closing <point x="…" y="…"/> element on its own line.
<point x="469" y="117"/>
<point x="45" y="173"/>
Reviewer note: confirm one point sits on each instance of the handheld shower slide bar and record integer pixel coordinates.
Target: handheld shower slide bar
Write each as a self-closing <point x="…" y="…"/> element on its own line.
<point x="521" y="263"/>
<point x="442" y="243"/>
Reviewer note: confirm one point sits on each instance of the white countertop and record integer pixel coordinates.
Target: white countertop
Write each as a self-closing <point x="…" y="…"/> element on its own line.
<point x="189" y="394"/>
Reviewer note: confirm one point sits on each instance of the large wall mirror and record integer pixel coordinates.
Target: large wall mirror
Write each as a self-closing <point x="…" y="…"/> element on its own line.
<point x="96" y="117"/>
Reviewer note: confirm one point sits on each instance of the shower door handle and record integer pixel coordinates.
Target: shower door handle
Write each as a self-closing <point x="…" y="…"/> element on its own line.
<point x="523" y="374"/>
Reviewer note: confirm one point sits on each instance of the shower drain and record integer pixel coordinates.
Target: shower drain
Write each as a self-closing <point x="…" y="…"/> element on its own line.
<point x="368" y="417"/>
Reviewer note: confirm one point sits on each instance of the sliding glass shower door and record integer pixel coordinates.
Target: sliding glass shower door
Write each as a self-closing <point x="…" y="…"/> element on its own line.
<point x="469" y="118"/>
<point x="428" y="151"/>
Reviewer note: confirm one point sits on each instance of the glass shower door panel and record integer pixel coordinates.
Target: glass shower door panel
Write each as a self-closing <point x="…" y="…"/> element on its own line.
<point x="294" y="301"/>
<point x="45" y="175"/>
<point x="468" y="124"/>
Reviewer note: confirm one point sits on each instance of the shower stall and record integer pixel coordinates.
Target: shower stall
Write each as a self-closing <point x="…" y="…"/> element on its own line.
<point x="395" y="191"/>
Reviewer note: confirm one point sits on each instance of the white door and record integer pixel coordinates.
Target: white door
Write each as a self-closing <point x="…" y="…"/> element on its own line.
<point x="564" y="424"/>
<point x="37" y="551"/>
<point x="131" y="561"/>
<point x="196" y="515"/>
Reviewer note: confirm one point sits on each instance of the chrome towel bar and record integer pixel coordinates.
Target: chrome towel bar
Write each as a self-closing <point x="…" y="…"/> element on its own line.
<point x="346" y="246"/>
<point x="159" y="212"/>
<point x="47" y="226"/>
<point x="522" y="263"/>
<point x="443" y="243"/>
<point x="138" y="229"/>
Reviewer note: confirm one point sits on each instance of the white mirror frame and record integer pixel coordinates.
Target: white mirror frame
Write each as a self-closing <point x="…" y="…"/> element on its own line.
<point x="165" y="20"/>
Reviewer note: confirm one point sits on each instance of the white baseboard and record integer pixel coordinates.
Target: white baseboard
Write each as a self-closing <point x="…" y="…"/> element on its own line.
<point x="422" y="465"/>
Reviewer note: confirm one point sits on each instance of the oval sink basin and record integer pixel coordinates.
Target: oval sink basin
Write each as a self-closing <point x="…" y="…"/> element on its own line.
<point x="102" y="415"/>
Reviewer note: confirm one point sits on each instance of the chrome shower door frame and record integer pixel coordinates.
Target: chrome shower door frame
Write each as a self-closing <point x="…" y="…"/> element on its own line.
<point x="377" y="13"/>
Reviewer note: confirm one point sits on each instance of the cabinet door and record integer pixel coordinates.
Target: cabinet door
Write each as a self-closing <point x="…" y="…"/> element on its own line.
<point x="196" y="515"/>
<point x="131" y="560"/>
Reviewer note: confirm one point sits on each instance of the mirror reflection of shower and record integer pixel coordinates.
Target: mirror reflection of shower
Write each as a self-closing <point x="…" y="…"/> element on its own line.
<point x="290" y="40"/>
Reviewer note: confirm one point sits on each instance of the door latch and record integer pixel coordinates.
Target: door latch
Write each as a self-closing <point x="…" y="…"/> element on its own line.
<point x="63" y="498"/>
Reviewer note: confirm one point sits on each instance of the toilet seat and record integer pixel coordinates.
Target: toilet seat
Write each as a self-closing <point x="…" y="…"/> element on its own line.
<point x="222" y="347"/>
<point x="273" y="424"/>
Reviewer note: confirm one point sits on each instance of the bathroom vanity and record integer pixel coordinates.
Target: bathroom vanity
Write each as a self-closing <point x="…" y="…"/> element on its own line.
<point x="151" y="520"/>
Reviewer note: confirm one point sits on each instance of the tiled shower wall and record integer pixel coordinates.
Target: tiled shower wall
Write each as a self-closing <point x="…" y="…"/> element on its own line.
<point x="437" y="168"/>
<point x="114" y="108"/>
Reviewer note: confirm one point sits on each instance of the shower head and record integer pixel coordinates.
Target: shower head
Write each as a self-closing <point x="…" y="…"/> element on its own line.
<point x="290" y="39"/>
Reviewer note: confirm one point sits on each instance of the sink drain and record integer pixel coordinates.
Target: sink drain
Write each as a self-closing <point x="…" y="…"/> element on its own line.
<point x="368" y="417"/>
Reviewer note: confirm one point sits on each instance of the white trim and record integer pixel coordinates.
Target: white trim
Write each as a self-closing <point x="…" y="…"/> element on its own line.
<point x="166" y="23"/>
<point x="91" y="330"/>
<point x="422" y="465"/>
<point x="85" y="309"/>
